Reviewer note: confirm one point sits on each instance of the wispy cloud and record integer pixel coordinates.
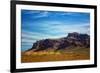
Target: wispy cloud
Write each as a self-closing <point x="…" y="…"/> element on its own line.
<point x="42" y="14"/>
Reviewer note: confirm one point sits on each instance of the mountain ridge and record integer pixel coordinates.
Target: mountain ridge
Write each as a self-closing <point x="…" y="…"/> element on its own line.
<point x="72" y="40"/>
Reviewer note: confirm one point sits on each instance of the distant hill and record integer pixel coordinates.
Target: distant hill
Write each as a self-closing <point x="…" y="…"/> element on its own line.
<point x="72" y="40"/>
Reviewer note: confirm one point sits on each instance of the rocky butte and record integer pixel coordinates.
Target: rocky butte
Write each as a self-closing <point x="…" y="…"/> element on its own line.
<point x="71" y="41"/>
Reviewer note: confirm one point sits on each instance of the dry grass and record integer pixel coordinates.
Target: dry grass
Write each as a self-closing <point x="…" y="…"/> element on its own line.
<point x="62" y="55"/>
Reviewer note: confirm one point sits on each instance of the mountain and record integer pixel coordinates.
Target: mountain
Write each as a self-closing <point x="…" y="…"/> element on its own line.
<point x="72" y="40"/>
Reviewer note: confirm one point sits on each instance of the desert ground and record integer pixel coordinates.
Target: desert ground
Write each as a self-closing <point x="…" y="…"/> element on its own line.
<point x="61" y="55"/>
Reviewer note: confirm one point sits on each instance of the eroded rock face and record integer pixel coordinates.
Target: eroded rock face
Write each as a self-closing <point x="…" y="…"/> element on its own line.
<point x="79" y="39"/>
<point x="73" y="39"/>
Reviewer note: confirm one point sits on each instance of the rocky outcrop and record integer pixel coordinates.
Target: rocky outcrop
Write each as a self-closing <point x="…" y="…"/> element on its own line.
<point x="72" y="40"/>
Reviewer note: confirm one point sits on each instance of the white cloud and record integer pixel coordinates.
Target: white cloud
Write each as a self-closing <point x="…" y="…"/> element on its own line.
<point x="65" y="29"/>
<point x="42" y="14"/>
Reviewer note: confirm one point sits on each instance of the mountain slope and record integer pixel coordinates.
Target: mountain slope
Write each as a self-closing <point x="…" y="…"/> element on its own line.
<point x="72" y="40"/>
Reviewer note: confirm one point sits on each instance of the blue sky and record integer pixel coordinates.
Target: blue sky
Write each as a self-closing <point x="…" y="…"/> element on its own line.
<point x="37" y="25"/>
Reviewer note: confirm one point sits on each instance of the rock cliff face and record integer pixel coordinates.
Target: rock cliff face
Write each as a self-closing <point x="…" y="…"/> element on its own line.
<point x="72" y="40"/>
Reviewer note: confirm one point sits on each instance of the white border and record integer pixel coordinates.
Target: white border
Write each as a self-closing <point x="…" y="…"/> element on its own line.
<point x="20" y="65"/>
